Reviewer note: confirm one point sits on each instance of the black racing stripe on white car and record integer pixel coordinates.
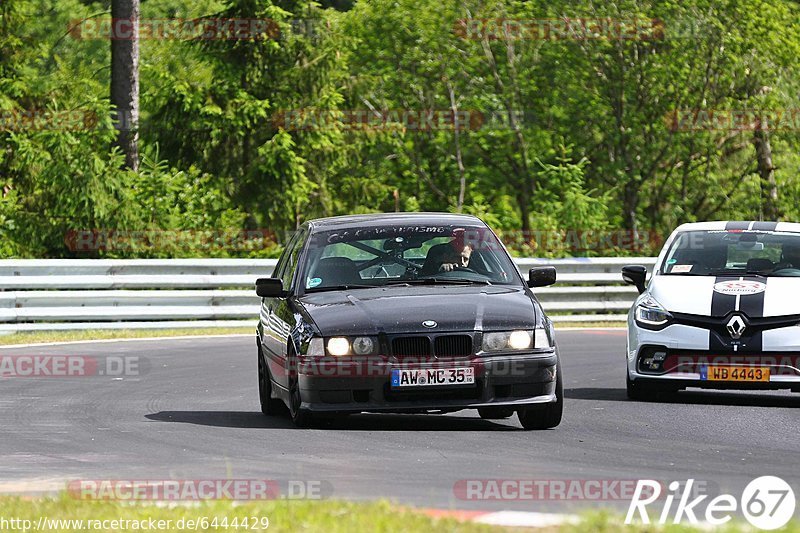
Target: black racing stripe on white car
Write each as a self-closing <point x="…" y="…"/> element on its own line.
<point x="737" y="225"/>
<point x="752" y="305"/>
<point x="722" y="304"/>
<point x="764" y="226"/>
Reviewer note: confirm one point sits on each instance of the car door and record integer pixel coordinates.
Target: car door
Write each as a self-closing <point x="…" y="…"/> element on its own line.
<point x="266" y="338"/>
<point x="279" y="313"/>
<point x="268" y="345"/>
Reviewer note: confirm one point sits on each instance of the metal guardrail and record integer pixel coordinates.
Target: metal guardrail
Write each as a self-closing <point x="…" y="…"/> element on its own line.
<point x="68" y="294"/>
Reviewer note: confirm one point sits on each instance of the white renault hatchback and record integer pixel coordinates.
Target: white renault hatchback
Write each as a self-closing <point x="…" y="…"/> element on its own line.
<point x="721" y="310"/>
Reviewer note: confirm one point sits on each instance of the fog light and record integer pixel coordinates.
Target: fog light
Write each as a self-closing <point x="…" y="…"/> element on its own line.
<point x="652" y="363"/>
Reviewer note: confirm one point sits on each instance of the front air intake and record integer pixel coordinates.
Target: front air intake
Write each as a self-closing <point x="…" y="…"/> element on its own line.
<point x="411" y="347"/>
<point x="453" y="346"/>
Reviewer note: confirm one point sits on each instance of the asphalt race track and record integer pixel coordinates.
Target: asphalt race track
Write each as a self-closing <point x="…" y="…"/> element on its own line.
<point x="193" y="414"/>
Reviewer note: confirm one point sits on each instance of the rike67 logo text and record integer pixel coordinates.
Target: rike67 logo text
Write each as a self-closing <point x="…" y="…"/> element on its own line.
<point x="768" y="502"/>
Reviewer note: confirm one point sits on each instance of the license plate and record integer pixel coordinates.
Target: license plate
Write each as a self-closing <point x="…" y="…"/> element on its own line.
<point x="734" y="373"/>
<point x="432" y="377"/>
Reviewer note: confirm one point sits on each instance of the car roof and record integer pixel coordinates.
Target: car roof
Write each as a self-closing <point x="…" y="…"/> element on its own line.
<point x="753" y="225"/>
<point x="390" y="219"/>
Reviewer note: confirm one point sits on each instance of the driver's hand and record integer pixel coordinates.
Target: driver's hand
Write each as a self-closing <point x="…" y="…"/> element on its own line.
<point x="448" y="267"/>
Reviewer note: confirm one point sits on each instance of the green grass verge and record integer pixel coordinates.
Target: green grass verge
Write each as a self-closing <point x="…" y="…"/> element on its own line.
<point x="283" y="515"/>
<point x="100" y="334"/>
<point x="607" y="522"/>
<point x="562" y="325"/>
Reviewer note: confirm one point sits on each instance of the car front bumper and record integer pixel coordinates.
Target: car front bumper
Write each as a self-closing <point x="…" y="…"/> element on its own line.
<point x="689" y="359"/>
<point x="507" y="381"/>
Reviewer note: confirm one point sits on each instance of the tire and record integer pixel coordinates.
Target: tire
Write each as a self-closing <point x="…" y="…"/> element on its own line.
<point x="302" y="418"/>
<point x="641" y="392"/>
<point x="636" y="391"/>
<point x="269" y="406"/>
<point x="548" y="415"/>
<point x="495" y="413"/>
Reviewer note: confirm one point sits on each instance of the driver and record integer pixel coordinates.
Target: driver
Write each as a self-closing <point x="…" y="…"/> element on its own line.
<point x="455" y="259"/>
<point x="790" y="256"/>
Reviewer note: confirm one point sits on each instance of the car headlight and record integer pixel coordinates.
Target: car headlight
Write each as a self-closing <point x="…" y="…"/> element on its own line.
<point x="363" y="345"/>
<point x="651" y="314"/>
<point x="338" y="346"/>
<point x="497" y="341"/>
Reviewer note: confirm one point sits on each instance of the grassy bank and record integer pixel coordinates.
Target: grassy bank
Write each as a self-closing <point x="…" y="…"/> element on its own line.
<point x="53" y="514"/>
<point x="102" y="334"/>
<point x="282" y="515"/>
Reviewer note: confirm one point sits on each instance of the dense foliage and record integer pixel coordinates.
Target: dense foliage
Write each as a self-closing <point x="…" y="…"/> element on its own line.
<point x="539" y="135"/>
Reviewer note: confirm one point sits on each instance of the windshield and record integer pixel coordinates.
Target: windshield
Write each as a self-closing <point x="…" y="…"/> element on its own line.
<point x="373" y="257"/>
<point x="711" y="253"/>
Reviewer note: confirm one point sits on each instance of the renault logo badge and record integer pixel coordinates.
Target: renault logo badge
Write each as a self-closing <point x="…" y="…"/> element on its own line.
<point x="430" y="324"/>
<point x="736" y="326"/>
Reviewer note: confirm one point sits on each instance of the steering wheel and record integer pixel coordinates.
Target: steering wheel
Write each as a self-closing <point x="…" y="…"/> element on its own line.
<point x="459" y="269"/>
<point x="787" y="267"/>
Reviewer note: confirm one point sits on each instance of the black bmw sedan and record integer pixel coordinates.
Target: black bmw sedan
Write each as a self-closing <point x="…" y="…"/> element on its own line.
<point x="410" y="313"/>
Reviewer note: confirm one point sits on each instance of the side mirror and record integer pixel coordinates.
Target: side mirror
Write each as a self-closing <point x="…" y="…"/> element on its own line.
<point x="541" y="276"/>
<point x="270" y="288"/>
<point x="635" y="275"/>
